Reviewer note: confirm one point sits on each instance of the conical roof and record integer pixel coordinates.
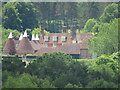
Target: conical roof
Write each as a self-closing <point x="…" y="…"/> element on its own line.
<point x="9" y="47"/>
<point x="25" y="46"/>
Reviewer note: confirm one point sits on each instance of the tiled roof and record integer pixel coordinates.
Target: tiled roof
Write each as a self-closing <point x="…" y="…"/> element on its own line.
<point x="25" y="47"/>
<point x="56" y="34"/>
<point x="67" y="48"/>
<point x="36" y="44"/>
<point x="70" y="48"/>
<point x="9" y="47"/>
<point x="81" y="37"/>
<point x="16" y="41"/>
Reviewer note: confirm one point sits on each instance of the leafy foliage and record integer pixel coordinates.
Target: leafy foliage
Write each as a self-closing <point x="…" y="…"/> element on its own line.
<point x="23" y="81"/>
<point x="38" y="31"/>
<point x="19" y="15"/>
<point x="101" y="83"/>
<point x="5" y="34"/>
<point x="49" y="65"/>
<point x="13" y="64"/>
<point x="89" y="25"/>
<point x="106" y="41"/>
<point x="110" y="12"/>
<point x="58" y="70"/>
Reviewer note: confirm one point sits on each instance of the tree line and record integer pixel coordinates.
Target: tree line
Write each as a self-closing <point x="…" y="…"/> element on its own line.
<point x="49" y="71"/>
<point x="50" y="16"/>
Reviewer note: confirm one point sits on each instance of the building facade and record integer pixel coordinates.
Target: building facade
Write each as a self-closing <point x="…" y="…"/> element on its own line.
<point x="75" y="44"/>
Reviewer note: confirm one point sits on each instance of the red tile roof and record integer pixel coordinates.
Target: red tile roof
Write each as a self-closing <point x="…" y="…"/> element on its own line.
<point x="81" y="37"/>
<point x="36" y="44"/>
<point x="25" y="47"/>
<point x="9" y="47"/>
<point x="66" y="48"/>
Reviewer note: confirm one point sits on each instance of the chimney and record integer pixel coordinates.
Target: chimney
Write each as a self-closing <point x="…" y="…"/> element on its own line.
<point x="73" y="32"/>
<point x="59" y="42"/>
<point x="64" y="29"/>
<point x="50" y="44"/>
<point x="41" y="40"/>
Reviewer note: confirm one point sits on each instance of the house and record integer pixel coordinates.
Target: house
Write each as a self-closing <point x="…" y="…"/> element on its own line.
<point x="75" y="44"/>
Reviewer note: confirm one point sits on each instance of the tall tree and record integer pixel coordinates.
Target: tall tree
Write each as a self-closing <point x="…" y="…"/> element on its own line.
<point x="106" y="41"/>
<point x="110" y="12"/>
<point x="19" y="15"/>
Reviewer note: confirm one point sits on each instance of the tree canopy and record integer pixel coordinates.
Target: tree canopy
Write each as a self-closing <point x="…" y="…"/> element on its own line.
<point x="19" y="16"/>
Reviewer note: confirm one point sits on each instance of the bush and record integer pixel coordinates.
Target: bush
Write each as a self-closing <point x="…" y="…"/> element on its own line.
<point x="101" y="84"/>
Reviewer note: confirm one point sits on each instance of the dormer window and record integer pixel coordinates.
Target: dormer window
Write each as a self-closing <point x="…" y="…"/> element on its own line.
<point x="46" y="38"/>
<point x="63" y="38"/>
<point x="55" y="38"/>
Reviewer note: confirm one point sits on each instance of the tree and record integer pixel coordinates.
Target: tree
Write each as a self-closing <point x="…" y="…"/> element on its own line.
<point x="5" y="33"/>
<point x="89" y="25"/>
<point x="19" y="16"/>
<point x="104" y="67"/>
<point x="22" y="81"/>
<point x="106" y="41"/>
<point x="69" y="85"/>
<point x="110" y="12"/>
<point x="51" y="65"/>
<point x="38" y="31"/>
<point x="101" y="84"/>
<point x="13" y="64"/>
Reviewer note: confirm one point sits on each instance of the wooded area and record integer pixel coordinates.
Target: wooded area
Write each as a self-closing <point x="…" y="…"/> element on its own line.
<point x="58" y="70"/>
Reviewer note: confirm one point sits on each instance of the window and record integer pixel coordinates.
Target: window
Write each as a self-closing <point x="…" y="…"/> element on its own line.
<point x="63" y="38"/>
<point x="55" y="38"/>
<point x="17" y="45"/>
<point x="74" y="41"/>
<point x="46" y="38"/>
<point x="46" y="45"/>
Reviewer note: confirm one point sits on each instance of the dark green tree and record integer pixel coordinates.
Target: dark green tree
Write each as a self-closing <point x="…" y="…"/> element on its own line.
<point x="22" y="81"/>
<point x="101" y="84"/>
<point x="13" y="64"/>
<point x="51" y="65"/>
<point x="110" y="12"/>
<point x="19" y="16"/>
